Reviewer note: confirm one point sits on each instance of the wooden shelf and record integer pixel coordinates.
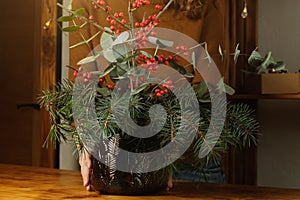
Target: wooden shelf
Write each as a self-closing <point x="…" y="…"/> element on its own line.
<point x="264" y="96"/>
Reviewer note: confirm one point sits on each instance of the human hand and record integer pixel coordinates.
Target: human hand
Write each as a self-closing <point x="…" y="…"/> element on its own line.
<point x="85" y="168"/>
<point x="170" y="182"/>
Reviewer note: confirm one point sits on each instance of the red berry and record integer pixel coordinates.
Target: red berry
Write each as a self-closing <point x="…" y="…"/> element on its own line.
<point x="113" y="22"/>
<point x="116" y="15"/>
<point x="110" y="86"/>
<point x="108" y="8"/>
<point x="75" y="74"/>
<point x="108" y="18"/>
<point x="158" y="7"/>
<point x="118" y="31"/>
<point x="112" y="27"/>
<point x="91" y="17"/>
<point x="124" y="21"/>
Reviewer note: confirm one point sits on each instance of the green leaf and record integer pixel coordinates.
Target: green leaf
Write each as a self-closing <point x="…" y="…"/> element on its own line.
<point x="194" y="60"/>
<point x="106" y="41"/>
<point x="78" y="44"/>
<point x="88" y="59"/>
<point x="236" y="53"/>
<point x="267" y="61"/>
<point x="178" y="67"/>
<point x="201" y="89"/>
<point x="71" y="28"/>
<point x="80" y="11"/>
<point x="225" y="88"/>
<point x="229" y="90"/>
<point x="221" y="52"/>
<point x="148" y="55"/>
<point x="255" y="59"/>
<point x="65" y="18"/>
<point x="280" y="65"/>
<point x="160" y="43"/>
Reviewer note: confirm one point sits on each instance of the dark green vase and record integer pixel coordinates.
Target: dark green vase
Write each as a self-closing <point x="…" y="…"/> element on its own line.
<point x="108" y="181"/>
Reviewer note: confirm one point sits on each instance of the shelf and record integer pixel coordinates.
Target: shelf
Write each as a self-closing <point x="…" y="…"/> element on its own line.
<point x="264" y="96"/>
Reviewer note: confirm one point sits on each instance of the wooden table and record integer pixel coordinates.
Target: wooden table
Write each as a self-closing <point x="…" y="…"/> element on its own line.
<point x="25" y="182"/>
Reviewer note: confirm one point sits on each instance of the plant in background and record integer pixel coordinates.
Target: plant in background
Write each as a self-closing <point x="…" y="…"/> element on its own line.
<point x="115" y="108"/>
<point x="265" y="64"/>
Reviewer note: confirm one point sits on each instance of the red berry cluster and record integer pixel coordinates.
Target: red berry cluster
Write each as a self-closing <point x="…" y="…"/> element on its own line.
<point x="102" y="4"/>
<point x="98" y="2"/>
<point x="109" y="86"/>
<point x="140" y="3"/>
<point x="116" y="19"/>
<point x="146" y="26"/>
<point x="159" y="92"/>
<point x="150" y="64"/>
<point x="183" y="50"/>
<point x="114" y="24"/>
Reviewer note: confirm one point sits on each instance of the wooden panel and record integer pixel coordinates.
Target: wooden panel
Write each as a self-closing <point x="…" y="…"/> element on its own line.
<point x="16" y="80"/>
<point x="47" y="70"/>
<point x="42" y="183"/>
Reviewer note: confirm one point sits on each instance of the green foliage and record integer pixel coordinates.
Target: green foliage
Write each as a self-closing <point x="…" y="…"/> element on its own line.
<point x="265" y="64"/>
<point x="240" y="127"/>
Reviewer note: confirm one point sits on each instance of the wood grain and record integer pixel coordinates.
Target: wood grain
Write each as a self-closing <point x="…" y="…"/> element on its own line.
<point x="25" y="182"/>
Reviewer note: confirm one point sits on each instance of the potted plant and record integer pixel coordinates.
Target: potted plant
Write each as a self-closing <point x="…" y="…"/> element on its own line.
<point x="137" y="113"/>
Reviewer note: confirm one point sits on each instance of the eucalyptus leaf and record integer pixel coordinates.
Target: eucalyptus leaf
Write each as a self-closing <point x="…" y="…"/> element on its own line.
<point x="65" y="18"/>
<point x="221" y="52"/>
<point x="123" y="37"/>
<point x="165" y="43"/>
<point x="88" y="59"/>
<point x="229" y="90"/>
<point x="78" y="44"/>
<point x="280" y="65"/>
<point x="225" y="88"/>
<point x="201" y="88"/>
<point x="194" y="60"/>
<point x="106" y="41"/>
<point x="161" y="43"/>
<point x="109" y="55"/>
<point x="255" y="59"/>
<point x="80" y="11"/>
<point x="236" y="53"/>
<point x="71" y="28"/>
<point x="268" y="59"/>
<point x="148" y="55"/>
<point x="178" y="67"/>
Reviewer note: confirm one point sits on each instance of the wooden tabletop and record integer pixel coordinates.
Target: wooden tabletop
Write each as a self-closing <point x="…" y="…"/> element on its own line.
<point x="25" y="182"/>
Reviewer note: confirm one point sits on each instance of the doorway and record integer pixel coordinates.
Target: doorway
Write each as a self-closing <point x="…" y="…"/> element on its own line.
<point x="28" y="64"/>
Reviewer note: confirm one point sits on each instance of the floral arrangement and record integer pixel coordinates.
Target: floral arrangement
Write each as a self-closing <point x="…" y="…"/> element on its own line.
<point x="136" y="92"/>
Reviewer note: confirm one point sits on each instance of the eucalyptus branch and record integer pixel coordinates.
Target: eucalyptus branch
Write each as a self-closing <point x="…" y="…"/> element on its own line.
<point x="84" y="18"/>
